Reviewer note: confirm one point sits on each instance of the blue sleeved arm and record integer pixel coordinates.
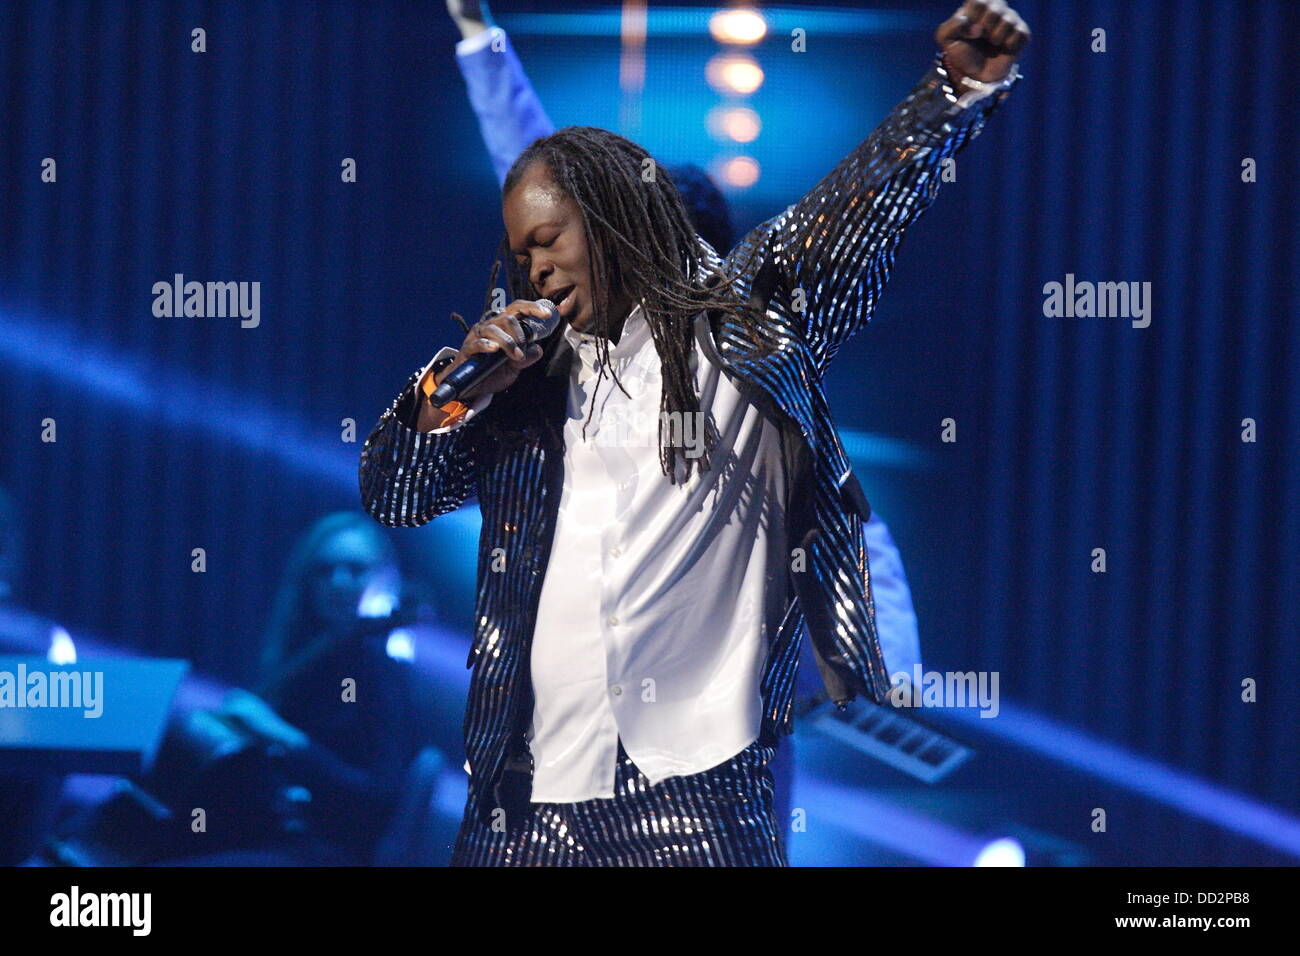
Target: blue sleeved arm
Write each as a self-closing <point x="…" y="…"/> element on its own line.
<point x="900" y="644"/>
<point x="510" y="116"/>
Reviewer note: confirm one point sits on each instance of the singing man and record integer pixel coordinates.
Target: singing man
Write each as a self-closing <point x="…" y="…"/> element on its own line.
<point x="665" y="500"/>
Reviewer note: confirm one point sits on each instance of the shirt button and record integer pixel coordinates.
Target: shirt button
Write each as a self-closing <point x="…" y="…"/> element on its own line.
<point x="622" y="486"/>
<point x="615" y="552"/>
<point x="613" y="621"/>
<point x="617" y="690"/>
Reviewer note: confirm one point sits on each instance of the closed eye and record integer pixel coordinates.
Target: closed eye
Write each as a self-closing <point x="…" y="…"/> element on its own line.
<point x="522" y="258"/>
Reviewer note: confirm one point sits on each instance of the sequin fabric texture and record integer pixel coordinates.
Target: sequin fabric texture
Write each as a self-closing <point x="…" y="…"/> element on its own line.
<point x="819" y="266"/>
<point x="721" y="817"/>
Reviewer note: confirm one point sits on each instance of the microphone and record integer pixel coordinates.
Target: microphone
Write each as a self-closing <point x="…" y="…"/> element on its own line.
<point x="482" y="364"/>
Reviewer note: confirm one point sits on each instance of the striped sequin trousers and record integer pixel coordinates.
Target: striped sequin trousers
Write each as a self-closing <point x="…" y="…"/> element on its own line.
<point x="722" y="816"/>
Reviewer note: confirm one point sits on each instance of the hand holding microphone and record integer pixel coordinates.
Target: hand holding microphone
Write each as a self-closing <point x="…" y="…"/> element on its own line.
<point x="493" y="354"/>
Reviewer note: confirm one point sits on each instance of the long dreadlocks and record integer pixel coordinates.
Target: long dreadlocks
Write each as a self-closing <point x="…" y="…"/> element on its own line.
<point x="640" y="242"/>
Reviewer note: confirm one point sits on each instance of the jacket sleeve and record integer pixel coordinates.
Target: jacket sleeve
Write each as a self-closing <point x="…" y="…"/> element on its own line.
<point x="409" y="477"/>
<point x="826" y="257"/>
<point x="510" y="115"/>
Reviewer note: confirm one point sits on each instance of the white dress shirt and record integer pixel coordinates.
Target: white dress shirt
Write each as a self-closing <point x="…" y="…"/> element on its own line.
<point x="659" y="599"/>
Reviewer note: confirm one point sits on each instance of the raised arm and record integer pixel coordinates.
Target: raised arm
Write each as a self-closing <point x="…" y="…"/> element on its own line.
<point x="510" y="116"/>
<point x="828" y="255"/>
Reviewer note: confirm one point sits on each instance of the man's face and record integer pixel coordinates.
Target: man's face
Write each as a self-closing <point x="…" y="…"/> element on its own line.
<point x="544" y="227"/>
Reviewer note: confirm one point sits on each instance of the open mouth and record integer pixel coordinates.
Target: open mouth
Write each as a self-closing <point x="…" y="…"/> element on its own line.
<point x="559" y="297"/>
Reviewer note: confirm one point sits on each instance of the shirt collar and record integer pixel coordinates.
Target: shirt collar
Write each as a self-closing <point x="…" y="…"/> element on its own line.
<point x="635" y="332"/>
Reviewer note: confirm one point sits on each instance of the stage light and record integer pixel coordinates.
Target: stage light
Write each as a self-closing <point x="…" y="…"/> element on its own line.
<point x="737" y="123"/>
<point x="62" y="650"/>
<point x="868" y="815"/>
<point x="400" y="645"/>
<point x="382" y="595"/>
<point x="1004" y="852"/>
<point x="734" y="73"/>
<point x="740" y="26"/>
<point x="739" y="172"/>
<point x="1072" y="747"/>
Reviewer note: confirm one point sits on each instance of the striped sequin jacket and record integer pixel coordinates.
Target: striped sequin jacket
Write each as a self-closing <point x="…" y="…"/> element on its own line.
<point x="816" y="271"/>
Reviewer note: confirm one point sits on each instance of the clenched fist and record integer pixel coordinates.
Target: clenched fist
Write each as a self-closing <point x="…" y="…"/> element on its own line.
<point x="470" y="16"/>
<point x="981" y="40"/>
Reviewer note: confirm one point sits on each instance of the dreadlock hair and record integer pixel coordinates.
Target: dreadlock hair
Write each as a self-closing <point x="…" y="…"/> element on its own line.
<point x="640" y="242"/>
